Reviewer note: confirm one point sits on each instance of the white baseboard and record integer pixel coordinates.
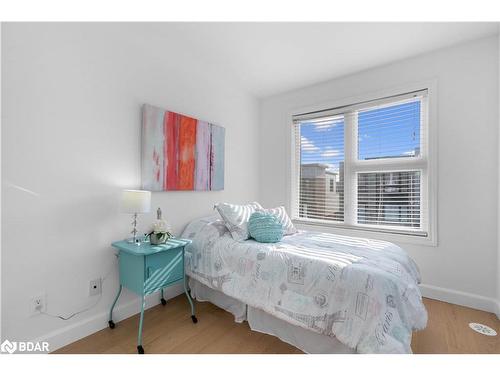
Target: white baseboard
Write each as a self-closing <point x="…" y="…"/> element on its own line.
<point x="67" y="335"/>
<point x="461" y="298"/>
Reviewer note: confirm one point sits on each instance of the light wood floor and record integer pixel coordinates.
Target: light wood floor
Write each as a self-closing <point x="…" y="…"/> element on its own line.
<point x="168" y="329"/>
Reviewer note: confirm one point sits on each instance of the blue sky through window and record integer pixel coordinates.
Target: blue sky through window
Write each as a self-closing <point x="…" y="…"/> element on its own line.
<point x="389" y="131"/>
<point x="392" y="131"/>
<point x="323" y="143"/>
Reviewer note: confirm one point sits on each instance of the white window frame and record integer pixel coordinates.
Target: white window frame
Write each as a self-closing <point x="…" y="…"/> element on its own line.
<point x="426" y="163"/>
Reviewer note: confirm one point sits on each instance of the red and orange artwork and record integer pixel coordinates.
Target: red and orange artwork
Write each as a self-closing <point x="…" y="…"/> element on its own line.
<point x="180" y="152"/>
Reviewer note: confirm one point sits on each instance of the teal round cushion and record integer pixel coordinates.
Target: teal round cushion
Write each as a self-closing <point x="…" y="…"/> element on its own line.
<point x="265" y="227"/>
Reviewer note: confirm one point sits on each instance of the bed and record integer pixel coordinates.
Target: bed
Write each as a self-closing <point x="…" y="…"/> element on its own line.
<point x="322" y="293"/>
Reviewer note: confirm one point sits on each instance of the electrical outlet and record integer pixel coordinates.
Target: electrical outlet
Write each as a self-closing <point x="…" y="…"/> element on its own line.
<point x="38" y="304"/>
<point x="95" y="287"/>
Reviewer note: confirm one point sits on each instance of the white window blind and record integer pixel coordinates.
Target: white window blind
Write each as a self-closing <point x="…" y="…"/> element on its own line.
<point x="321" y="149"/>
<point x="364" y="165"/>
<point x="389" y="198"/>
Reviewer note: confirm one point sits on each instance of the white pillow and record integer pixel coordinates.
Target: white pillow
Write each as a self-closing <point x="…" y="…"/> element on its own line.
<point x="236" y="218"/>
<point x="284" y="219"/>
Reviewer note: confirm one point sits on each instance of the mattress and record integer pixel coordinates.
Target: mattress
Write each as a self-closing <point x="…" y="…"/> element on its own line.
<point x="362" y="292"/>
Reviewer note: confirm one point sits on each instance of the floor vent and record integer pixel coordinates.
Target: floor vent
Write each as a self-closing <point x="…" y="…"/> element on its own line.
<point x="483" y="329"/>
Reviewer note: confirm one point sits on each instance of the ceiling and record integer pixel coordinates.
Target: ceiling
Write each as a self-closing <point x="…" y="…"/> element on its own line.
<point x="270" y="58"/>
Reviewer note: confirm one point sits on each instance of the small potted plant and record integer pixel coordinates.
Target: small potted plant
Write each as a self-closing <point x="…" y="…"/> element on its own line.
<point x="160" y="233"/>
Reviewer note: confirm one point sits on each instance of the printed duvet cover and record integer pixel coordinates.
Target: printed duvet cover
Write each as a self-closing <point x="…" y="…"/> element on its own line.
<point x="364" y="292"/>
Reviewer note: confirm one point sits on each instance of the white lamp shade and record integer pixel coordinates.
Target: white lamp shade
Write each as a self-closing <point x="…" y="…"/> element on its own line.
<point x="136" y="201"/>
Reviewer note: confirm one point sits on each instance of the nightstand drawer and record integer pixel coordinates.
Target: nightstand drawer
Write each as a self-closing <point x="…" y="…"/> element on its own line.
<point x="163" y="268"/>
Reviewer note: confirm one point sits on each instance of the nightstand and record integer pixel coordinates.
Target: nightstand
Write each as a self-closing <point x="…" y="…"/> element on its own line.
<point x="148" y="268"/>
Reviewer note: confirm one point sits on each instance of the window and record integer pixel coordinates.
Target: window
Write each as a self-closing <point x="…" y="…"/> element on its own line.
<point x="364" y="165"/>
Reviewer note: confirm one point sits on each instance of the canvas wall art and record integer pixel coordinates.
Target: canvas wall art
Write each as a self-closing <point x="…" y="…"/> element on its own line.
<point x="180" y="152"/>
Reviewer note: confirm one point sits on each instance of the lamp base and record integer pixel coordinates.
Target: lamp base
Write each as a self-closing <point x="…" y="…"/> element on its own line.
<point x="135" y="241"/>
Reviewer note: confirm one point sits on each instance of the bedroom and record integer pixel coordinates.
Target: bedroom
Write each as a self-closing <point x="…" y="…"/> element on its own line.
<point x="345" y="204"/>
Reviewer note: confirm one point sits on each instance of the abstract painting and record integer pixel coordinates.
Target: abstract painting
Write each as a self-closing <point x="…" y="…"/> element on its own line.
<point x="180" y="152"/>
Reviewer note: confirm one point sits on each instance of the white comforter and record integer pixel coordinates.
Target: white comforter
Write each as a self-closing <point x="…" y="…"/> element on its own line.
<point x="363" y="292"/>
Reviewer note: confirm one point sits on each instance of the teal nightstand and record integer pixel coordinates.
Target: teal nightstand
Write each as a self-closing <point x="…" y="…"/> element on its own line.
<point x="147" y="268"/>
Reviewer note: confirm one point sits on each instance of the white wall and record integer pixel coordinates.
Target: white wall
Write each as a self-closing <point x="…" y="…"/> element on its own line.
<point x="71" y="107"/>
<point x="463" y="267"/>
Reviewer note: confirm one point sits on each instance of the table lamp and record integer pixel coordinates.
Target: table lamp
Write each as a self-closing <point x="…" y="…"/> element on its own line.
<point x="135" y="202"/>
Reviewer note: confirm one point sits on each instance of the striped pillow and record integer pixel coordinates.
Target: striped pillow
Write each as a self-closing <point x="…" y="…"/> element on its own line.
<point x="284" y="219"/>
<point x="236" y="218"/>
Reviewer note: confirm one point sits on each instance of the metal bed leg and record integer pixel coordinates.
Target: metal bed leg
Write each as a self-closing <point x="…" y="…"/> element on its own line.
<point x="193" y="317"/>
<point x="163" y="301"/>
